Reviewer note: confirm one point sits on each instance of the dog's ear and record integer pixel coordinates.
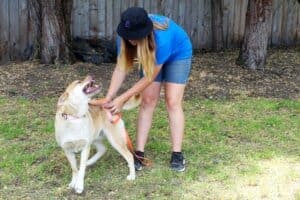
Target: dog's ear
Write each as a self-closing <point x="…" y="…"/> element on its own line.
<point x="62" y="99"/>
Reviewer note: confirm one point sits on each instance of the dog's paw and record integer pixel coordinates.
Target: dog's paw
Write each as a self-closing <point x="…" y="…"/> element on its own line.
<point x="78" y="188"/>
<point x="71" y="185"/>
<point x="130" y="177"/>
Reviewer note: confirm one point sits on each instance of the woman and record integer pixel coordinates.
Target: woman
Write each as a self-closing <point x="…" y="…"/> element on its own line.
<point x="163" y="51"/>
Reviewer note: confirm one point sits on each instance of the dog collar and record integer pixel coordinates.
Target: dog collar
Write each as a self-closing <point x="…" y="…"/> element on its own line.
<point x="71" y="117"/>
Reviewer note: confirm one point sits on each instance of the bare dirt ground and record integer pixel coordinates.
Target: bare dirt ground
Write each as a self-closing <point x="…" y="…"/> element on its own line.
<point x="213" y="75"/>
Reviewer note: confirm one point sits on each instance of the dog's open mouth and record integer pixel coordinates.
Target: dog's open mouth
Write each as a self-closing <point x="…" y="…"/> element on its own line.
<point x="91" y="87"/>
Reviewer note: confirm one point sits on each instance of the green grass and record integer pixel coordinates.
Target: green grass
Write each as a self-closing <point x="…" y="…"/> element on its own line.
<point x="225" y="144"/>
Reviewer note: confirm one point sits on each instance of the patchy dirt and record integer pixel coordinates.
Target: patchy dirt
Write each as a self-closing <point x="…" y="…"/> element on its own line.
<point x="213" y="75"/>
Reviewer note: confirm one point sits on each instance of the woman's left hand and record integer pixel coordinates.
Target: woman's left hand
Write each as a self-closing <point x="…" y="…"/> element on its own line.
<point x="114" y="106"/>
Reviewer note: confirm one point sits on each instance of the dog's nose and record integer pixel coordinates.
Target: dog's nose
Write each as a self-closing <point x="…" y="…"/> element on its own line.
<point x="91" y="76"/>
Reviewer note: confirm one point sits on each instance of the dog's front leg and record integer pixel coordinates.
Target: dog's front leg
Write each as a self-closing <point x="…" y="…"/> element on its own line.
<point x="72" y="160"/>
<point x="83" y="163"/>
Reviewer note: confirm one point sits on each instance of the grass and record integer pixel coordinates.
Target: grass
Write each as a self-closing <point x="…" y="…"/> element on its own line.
<point x="234" y="149"/>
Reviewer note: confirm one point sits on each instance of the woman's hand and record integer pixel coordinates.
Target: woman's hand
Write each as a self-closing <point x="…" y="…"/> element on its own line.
<point x="114" y="106"/>
<point x="99" y="102"/>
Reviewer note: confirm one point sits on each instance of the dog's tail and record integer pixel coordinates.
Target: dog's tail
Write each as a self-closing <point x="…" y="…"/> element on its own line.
<point x="133" y="102"/>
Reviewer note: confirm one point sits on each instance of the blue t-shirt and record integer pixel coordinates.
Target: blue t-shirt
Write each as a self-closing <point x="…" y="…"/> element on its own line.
<point x="171" y="44"/>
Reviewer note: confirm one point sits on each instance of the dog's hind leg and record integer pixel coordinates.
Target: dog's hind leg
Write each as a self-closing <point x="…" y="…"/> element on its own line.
<point x="116" y="135"/>
<point x="127" y="155"/>
<point x="72" y="160"/>
<point x="79" y="186"/>
<point x="129" y="158"/>
<point x="100" y="151"/>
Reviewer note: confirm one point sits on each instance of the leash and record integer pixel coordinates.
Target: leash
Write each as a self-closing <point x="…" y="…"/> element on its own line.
<point x="114" y="119"/>
<point x="145" y="161"/>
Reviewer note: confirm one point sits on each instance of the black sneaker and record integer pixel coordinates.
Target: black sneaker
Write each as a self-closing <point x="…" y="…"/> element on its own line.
<point x="138" y="159"/>
<point x="177" y="162"/>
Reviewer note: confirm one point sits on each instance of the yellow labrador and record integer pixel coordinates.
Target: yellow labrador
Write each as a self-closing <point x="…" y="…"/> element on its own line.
<point x="79" y="125"/>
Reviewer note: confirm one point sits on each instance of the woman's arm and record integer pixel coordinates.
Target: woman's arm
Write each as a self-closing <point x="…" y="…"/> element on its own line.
<point x="138" y="87"/>
<point x="117" y="79"/>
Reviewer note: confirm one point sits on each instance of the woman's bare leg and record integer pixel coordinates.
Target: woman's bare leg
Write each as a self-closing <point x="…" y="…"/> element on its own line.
<point x="150" y="97"/>
<point x="173" y="97"/>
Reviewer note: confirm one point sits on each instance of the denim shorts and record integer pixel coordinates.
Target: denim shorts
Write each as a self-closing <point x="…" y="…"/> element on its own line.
<point x="177" y="71"/>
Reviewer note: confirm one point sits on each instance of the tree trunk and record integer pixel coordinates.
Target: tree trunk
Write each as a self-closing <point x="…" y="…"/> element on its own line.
<point x="258" y="22"/>
<point x="217" y="25"/>
<point x="54" y="41"/>
<point x="35" y="33"/>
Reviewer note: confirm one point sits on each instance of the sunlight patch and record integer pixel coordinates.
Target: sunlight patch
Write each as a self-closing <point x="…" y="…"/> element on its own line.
<point x="278" y="178"/>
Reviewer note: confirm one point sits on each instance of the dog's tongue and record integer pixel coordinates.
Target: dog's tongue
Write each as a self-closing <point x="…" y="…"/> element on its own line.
<point x="92" y="88"/>
<point x="89" y="90"/>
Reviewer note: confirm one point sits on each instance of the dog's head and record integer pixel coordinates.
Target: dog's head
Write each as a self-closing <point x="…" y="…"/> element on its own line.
<point x="77" y="95"/>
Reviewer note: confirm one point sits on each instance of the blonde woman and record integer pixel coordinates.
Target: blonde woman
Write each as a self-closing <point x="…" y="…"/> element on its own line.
<point x="163" y="50"/>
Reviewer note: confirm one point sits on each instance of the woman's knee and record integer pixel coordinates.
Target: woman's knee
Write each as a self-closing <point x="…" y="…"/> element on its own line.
<point x="149" y="101"/>
<point x="173" y="104"/>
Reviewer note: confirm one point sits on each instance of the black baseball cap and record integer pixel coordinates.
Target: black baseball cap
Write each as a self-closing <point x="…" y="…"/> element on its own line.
<point x="135" y="24"/>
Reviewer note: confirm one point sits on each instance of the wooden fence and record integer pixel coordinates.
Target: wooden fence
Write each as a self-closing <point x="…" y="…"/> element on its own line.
<point x="99" y="18"/>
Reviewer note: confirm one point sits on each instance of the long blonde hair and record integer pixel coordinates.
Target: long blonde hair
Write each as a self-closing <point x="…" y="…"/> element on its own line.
<point x="142" y="54"/>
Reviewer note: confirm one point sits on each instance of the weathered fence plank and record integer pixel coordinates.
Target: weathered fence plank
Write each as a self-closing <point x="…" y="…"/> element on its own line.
<point x="14" y="25"/>
<point x="242" y="16"/>
<point x="93" y="25"/>
<point x="80" y="22"/>
<point x="236" y="24"/>
<point x="4" y="31"/>
<point x="99" y="19"/>
<point x="116" y="14"/>
<point x="228" y="22"/>
<point x="276" y="22"/>
<point x="194" y="21"/>
<point x="102" y="17"/>
<point x="298" y="28"/>
<point x="23" y="34"/>
<point x="290" y="28"/>
<point x="109" y="19"/>
<point x="200" y="26"/>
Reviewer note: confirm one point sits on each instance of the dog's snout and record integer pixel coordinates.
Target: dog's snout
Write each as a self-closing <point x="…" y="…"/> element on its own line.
<point x="90" y="77"/>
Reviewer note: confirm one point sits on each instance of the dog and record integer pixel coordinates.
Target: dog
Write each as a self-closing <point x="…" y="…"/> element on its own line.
<point x="79" y="125"/>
